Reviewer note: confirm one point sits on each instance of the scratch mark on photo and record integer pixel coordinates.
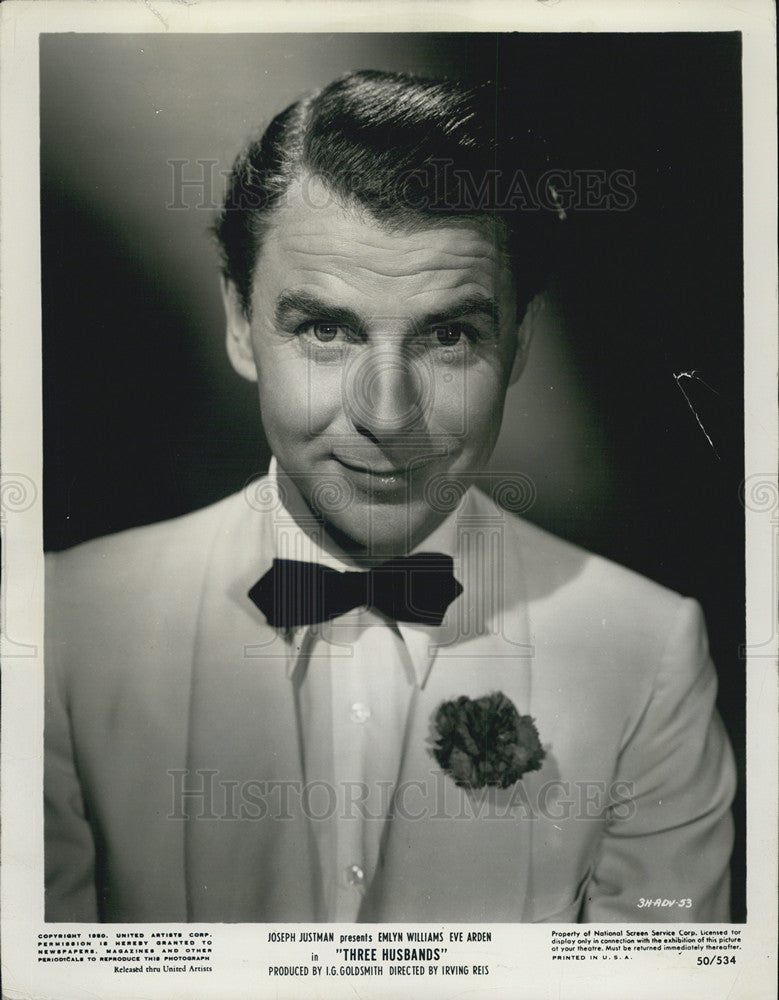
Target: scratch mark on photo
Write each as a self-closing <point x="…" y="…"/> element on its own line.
<point x="678" y="379"/>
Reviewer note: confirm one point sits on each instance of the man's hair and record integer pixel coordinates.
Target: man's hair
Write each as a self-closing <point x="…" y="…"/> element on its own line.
<point x="412" y="151"/>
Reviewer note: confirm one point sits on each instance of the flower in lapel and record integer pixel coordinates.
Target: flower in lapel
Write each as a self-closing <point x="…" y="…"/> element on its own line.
<point x="486" y="741"/>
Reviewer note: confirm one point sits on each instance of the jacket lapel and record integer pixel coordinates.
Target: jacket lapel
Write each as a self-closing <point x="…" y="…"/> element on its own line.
<point x="249" y="854"/>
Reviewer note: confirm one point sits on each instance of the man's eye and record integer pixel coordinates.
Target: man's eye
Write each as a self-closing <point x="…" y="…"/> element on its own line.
<point x="325" y="333"/>
<point x="450" y="334"/>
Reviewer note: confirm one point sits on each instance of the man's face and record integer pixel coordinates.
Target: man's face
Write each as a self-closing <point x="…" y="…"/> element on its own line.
<point x="382" y="361"/>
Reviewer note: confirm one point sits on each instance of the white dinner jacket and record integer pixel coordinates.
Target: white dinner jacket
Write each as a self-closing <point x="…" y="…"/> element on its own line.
<point x="160" y="670"/>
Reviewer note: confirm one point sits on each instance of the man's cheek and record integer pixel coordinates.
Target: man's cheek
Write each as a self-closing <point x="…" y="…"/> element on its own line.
<point x="283" y="421"/>
<point x="465" y="408"/>
<point x="448" y="413"/>
<point x="287" y="406"/>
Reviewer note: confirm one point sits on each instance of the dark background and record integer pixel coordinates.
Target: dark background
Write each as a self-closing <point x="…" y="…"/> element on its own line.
<point x="144" y="419"/>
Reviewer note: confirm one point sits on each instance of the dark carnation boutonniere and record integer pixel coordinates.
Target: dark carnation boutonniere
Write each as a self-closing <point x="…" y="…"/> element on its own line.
<point x="486" y="741"/>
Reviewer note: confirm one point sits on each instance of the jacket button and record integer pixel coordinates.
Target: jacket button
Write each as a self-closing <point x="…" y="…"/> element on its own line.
<point x="359" y="712"/>
<point x="355" y="875"/>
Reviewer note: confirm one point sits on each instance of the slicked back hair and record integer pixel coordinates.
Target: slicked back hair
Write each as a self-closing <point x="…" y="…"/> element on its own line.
<point x="414" y="152"/>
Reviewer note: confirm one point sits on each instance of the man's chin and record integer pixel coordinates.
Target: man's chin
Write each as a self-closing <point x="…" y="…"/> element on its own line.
<point x="382" y="531"/>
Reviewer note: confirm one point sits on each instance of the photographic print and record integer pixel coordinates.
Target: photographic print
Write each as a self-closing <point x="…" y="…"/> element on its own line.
<point x="390" y="482"/>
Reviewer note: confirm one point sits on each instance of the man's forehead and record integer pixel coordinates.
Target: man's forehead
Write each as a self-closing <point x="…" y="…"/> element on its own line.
<point x="314" y="237"/>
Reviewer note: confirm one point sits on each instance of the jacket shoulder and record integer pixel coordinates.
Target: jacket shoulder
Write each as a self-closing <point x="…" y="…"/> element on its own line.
<point x="566" y="573"/>
<point x="148" y="549"/>
<point x="141" y="576"/>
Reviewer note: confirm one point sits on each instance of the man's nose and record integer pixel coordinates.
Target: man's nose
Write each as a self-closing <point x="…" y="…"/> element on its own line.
<point x="387" y="390"/>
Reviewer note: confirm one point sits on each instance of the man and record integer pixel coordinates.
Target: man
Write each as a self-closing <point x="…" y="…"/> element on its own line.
<point x="360" y="690"/>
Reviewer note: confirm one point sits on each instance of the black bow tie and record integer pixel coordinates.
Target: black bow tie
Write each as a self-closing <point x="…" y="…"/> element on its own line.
<point x="416" y="588"/>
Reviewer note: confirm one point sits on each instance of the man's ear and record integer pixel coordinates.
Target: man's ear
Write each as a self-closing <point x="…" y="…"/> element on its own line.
<point x="239" y="334"/>
<point x="525" y="335"/>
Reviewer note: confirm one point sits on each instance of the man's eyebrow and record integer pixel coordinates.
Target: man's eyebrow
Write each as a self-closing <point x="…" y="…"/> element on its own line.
<point x="478" y="304"/>
<point x="291" y="302"/>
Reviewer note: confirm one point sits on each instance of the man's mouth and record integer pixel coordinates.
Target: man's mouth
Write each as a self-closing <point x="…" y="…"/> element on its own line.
<point x="379" y="477"/>
<point x="371" y="469"/>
